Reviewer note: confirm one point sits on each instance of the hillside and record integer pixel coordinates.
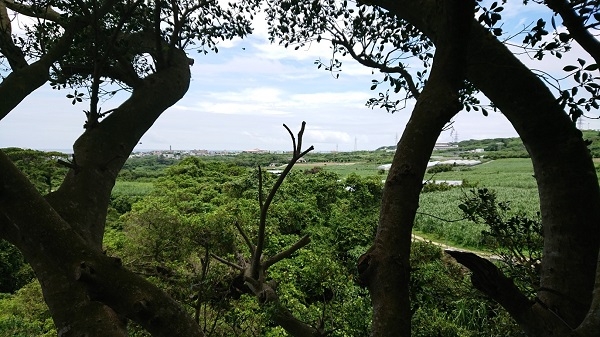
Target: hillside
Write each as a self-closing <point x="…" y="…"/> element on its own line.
<point x="496" y="148"/>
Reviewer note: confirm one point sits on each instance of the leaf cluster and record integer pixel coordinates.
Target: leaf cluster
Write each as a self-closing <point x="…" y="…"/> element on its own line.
<point x="516" y="238"/>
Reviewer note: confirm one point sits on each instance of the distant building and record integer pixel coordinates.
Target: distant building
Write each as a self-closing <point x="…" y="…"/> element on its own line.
<point x="256" y="151"/>
<point x="444" y="146"/>
<point x="462" y="162"/>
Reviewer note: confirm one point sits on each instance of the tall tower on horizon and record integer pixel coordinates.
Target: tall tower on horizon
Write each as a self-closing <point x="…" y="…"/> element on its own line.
<point x="355" y="144"/>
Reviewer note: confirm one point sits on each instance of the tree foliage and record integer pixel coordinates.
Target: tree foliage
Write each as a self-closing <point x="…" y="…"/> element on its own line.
<point x="551" y="144"/>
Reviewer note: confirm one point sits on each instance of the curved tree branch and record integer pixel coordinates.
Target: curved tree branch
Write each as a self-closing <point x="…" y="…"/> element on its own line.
<point x="44" y="13"/>
<point x="14" y="55"/>
<point x="576" y="27"/>
<point x="101" y="152"/>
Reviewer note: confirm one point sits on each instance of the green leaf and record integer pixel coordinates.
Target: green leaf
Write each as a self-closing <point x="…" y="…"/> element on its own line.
<point x="591" y="67"/>
<point x="569" y="68"/>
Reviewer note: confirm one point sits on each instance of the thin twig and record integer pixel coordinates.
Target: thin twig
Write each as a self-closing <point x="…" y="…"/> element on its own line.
<point x="246" y="239"/>
<point x="260" y="188"/>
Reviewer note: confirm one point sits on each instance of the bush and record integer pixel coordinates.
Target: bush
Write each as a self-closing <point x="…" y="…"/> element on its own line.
<point x="440" y="168"/>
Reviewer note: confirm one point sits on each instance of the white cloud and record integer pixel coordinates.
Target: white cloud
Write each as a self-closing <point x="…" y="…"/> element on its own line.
<point x="327" y="136"/>
<point x="240" y="97"/>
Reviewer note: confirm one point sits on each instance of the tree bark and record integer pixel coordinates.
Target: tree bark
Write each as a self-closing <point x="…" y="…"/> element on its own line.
<point x="385" y="268"/>
<point x="61" y="237"/>
<point x="101" y="151"/>
<point x="564" y="171"/>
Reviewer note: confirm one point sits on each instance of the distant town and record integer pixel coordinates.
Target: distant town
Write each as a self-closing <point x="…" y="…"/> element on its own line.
<point x="178" y="154"/>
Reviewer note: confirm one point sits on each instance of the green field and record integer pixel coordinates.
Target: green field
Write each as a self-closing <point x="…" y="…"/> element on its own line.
<point x="511" y="179"/>
<point x="344" y="169"/>
<point x="512" y="172"/>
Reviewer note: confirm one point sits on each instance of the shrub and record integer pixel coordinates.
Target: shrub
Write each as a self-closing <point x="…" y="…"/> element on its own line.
<point x="440" y="168"/>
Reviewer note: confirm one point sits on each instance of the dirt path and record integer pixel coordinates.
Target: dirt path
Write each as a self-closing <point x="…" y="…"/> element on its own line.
<point x="484" y="255"/>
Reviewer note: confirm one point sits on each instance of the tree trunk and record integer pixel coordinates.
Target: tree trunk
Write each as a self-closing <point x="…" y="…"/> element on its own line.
<point x="61" y="237"/>
<point x="385" y="268"/>
<point x="564" y="171"/>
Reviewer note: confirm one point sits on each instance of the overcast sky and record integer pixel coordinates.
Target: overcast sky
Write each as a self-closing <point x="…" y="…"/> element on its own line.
<point x="240" y="97"/>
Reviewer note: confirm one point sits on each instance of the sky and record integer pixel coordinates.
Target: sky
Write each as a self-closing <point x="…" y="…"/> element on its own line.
<point x="240" y="98"/>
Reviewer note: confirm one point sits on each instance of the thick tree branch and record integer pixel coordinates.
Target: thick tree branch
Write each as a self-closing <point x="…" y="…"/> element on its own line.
<point x="14" y="55"/>
<point x="491" y="281"/>
<point x="44" y="13"/>
<point x="101" y="152"/>
<point x="487" y="278"/>
<point x="576" y="27"/>
<point x="23" y="81"/>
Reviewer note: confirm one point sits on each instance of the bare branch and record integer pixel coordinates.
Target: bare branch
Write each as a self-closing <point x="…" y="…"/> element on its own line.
<point x="251" y="247"/>
<point x="265" y="207"/>
<point x="288" y="252"/>
<point x="300" y="134"/>
<point x="292" y="136"/>
<point x="260" y="188"/>
<point x="223" y="261"/>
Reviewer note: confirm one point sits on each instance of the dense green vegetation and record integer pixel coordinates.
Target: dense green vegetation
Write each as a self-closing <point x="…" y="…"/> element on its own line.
<point x="168" y="217"/>
<point x="167" y="224"/>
